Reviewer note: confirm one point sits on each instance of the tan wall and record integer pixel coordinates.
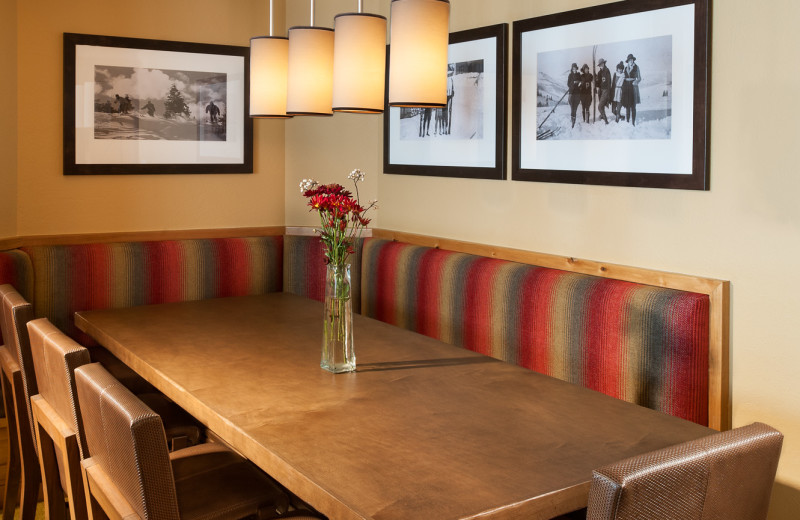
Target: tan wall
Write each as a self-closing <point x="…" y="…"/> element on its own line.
<point x="746" y="229"/>
<point x="8" y="123"/>
<point x="50" y="203"/>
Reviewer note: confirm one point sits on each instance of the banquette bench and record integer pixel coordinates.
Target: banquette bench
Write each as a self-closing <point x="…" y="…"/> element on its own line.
<point x="652" y="338"/>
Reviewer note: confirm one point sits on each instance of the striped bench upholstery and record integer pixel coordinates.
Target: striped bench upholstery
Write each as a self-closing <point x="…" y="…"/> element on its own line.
<point x="304" y="268"/>
<point x="74" y="278"/>
<point x="643" y="344"/>
<point x="16" y="269"/>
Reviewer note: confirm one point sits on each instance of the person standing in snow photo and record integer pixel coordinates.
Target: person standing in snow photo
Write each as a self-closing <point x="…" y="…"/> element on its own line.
<point x="574" y="86"/>
<point x="586" y="92"/>
<point x="630" y="90"/>
<point x="602" y="83"/>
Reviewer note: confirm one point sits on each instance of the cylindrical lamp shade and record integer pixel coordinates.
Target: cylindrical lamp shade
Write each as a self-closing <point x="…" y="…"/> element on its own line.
<point x="310" y="71"/>
<point x="359" y="63"/>
<point x="418" y="53"/>
<point x="269" y="64"/>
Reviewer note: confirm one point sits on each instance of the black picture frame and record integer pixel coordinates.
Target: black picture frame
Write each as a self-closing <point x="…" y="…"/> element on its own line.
<point x="106" y="135"/>
<point x="670" y="146"/>
<point x="459" y="157"/>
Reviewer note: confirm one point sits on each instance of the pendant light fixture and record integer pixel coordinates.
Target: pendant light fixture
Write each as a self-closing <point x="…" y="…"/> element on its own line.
<point x="269" y="68"/>
<point x="310" y="70"/>
<point x="418" y="53"/>
<point x="359" y="62"/>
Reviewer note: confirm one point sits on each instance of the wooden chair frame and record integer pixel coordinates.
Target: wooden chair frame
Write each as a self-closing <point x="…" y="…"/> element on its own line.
<point x="103" y="499"/>
<point x="54" y="435"/>
<point x="9" y="375"/>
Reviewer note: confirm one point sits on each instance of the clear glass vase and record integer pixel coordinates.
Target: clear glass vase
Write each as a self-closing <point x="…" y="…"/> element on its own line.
<point x="337" y="337"/>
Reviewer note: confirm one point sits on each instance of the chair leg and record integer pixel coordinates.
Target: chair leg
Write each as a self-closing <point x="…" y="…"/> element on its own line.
<point x="14" y="466"/>
<point x="51" y="483"/>
<point x="31" y="476"/>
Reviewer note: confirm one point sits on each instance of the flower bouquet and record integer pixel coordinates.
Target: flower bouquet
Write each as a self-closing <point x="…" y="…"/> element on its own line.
<point x="342" y="220"/>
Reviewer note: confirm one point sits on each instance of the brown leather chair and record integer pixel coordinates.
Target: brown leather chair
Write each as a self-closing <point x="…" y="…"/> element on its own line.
<point x="57" y="418"/>
<point x="130" y="473"/>
<point x="727" y="475"/>
<point x="16" y="314"/>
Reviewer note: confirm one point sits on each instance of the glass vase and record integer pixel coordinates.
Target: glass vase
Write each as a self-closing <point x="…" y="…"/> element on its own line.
<point x="338" y="355"/>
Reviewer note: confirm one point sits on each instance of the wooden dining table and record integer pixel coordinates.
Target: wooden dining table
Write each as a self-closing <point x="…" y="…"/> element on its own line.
<point x="422" y="429"/>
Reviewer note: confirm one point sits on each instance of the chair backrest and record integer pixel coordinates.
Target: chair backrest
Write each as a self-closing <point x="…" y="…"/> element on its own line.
<point x="725" y="475"/>
<point x="57" y="417"/>
<point x="127" y="440"/>
<point x="55" y="357"/>
<point x="16" y="314"/>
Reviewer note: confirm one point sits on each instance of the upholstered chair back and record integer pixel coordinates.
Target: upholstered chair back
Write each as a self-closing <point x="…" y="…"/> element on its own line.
<point x="16" y="314"/>
<point x="127" y="440"/>
<point x="56" y="356"/>
<point x="725" y="475"/>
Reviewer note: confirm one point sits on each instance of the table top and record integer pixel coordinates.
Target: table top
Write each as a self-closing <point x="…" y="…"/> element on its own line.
<point x="421" y="430"/>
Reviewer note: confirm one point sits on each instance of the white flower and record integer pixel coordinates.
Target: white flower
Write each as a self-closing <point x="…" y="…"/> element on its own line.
<point x="308" y="184"/>
<point x="356" y="175"/>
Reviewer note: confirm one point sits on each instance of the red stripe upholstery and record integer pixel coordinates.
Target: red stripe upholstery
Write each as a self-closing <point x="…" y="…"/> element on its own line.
<point x="99" y="276"/>
<point x="643" y="344"/>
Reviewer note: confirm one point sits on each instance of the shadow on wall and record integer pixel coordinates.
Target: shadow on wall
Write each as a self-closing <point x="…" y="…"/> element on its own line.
<point x="785" y="502"/>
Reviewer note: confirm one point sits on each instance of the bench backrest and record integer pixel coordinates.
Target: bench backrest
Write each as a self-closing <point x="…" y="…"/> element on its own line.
<point x="643" y="344"/>
<point x="71" y="278"/>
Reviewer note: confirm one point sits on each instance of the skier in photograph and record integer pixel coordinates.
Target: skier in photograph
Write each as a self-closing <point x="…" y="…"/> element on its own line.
<point x="603" y="86"/>
<point x="122" y="104"/>
<point x="586" y="92"/>
<point x="451" y="92"/>
<point x="213" y="111"/>
<point x="574" y="86"/>
<point x="425" y="121"/>
<point x="630" y="89"/>
<point x="617" y="82"/>
<point x="151" y="109"/>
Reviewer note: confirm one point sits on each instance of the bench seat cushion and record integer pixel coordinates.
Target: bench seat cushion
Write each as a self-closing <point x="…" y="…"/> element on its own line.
<point x="73" y="278"/>
<point x="643" y="344"/>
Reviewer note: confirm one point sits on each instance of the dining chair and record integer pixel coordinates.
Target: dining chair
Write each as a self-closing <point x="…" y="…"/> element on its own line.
<point x="130" y="473"/>
<point x="9" y="376"/>
<point x="725" y="475"/>
<point x="57" y="418"/>
<point x="16" y="314"/>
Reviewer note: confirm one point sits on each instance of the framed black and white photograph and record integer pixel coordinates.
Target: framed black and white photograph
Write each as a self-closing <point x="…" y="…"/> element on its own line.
<point x="467" y="138"/>
<point x="616" y="94"/>
<point x="136" y="106"/>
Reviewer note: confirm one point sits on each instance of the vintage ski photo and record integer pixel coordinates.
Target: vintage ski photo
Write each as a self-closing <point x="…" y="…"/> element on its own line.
<point x="620" y="90"/>
<point x="461" y="119"/>
<point x="158" y="104"/>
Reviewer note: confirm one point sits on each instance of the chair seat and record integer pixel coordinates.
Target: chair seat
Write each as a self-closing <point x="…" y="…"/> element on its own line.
<point x="213" y="482"/>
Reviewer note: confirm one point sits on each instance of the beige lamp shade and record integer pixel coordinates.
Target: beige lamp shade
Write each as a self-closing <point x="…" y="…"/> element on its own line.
<point x="310" y="71"/>
<point x="269" y="68"/>
<point x="418" y="53"/>
<point x="359" y="63"/>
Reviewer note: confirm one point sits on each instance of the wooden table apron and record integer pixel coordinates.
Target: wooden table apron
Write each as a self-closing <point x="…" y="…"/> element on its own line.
<point x="422" y="429"/>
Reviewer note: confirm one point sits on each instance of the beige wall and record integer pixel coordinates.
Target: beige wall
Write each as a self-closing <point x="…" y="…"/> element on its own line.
<point x="8" y="123"/>
<point x="50" y="203"/>
<point x="746" y="229"/>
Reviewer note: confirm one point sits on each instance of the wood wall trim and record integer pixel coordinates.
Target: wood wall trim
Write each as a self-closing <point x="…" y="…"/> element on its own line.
<point x="138" y="236"/>
<point x="718" y="291"/>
